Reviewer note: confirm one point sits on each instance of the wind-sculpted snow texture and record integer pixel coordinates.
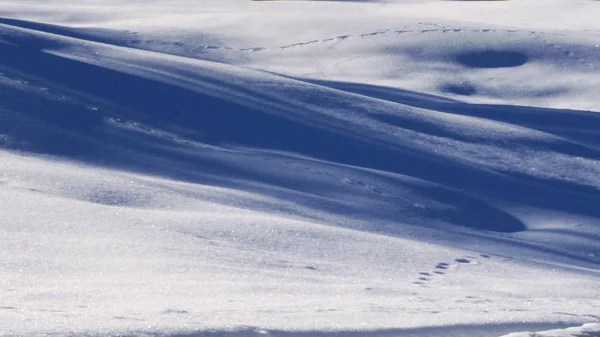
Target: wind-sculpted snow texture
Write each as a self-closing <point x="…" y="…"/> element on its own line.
<point x="344" y="168"/>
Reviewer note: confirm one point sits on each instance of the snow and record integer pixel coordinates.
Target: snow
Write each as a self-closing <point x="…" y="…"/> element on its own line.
<point x="589" y="329"/>
<point x="295" y="168"/>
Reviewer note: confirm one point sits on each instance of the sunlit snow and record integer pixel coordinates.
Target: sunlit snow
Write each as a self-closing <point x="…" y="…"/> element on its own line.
<point x="300" y="168"/>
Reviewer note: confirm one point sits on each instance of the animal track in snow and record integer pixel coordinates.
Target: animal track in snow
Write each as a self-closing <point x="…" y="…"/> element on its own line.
<point x="442" y="268"/>
<point x="431" y="28"/>
<point x="375" y="33"/>
<point x="442" y="265"/>
<point x="8" y="308"/>
<point x="328" y="175"/>
<point x="569" y="53"/>
<point x="468" y="260"/>
<point x="360" y="183"/>
<point x="337" y="38"/>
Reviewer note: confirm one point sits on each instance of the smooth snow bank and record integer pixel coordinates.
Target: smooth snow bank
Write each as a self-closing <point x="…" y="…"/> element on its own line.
<point x="587" y="330"/>
<point x="89" y="249"/>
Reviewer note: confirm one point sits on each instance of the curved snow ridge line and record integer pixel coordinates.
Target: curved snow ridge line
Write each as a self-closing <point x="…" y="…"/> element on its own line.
<point x="414" y="133"/>
<point x="125" y="59"/>
<point x="169" y="136"/>
<point x="201" y="76"/>
<point x="586" y="330"/>
<point x="455" y="119"/>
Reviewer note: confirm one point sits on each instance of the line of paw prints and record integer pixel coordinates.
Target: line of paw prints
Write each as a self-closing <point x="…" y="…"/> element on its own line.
<point x="328" y="175"/>
<point x="431" y="28"/>
<point x="442" y="268"/>
<point x="562" y="49"/>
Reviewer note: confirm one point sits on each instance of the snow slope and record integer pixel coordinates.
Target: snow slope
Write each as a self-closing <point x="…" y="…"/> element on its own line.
<point x="401" y="168"/>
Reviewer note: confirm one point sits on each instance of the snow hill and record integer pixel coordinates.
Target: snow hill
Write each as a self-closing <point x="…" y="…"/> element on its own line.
<point x="299" y="168"/>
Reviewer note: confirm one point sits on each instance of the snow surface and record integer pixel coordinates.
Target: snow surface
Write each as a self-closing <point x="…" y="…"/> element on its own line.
<point x="299" y="168"/>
